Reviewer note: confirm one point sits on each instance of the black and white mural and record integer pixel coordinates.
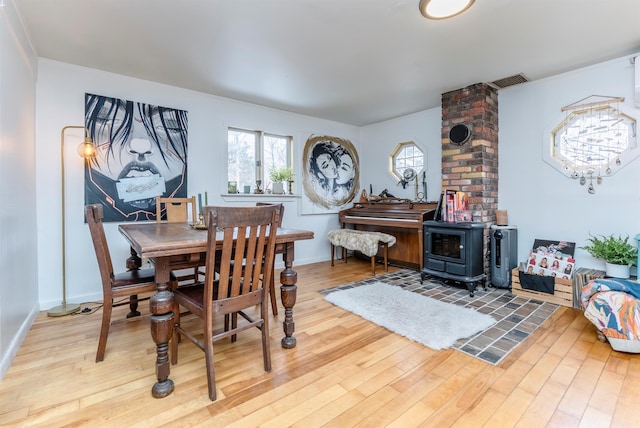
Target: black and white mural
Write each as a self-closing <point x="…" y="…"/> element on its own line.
<point x="141" y="153"/>
<point x="331" y="173"/>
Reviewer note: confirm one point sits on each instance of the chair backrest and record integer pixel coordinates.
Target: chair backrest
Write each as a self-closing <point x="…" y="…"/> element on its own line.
<point x="280" y="210"/>
<point x="240" y="263"/>
<point x="94" y="215"/>
<point x="176" y="209"/>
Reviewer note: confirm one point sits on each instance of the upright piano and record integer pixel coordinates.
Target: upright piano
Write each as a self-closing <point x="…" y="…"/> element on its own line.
<point x="401" y="218"/>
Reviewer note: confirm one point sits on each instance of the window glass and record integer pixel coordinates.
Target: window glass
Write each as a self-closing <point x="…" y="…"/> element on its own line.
<point x="406" y="155"/>
<point x="242" y="147"/>
<point x="591" y="141"/>
<point x="275" y="153"/>
<point x="252" y="154"/>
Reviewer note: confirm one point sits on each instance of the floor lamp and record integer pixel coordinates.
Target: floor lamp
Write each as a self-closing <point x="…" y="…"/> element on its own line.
<point x="86" y="150"/>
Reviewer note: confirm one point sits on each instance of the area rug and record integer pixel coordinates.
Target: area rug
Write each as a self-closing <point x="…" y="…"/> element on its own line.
<point x="516" y="317"/>
<point x="422" y="319"/>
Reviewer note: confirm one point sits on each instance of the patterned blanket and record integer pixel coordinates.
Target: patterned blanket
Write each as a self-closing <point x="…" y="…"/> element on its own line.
<point x="613" y="306"/>
<point x="364" y="241"/>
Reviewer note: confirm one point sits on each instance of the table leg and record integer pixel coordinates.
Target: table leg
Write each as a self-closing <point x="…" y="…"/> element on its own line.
<point x="288" y="293"/>
<point x="161" y="307"/>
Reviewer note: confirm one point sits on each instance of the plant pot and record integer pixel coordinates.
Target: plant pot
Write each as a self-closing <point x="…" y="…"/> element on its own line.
<point x="617" y="271"/>
<point x="278" y="188"/>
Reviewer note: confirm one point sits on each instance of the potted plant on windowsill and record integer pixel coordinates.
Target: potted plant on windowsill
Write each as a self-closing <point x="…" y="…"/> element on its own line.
<point x="619" y="255"/>
<point x="278" y="176"/>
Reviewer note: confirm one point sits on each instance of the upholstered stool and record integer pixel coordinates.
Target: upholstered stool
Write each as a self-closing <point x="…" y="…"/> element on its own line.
<point x="365" y="241"/>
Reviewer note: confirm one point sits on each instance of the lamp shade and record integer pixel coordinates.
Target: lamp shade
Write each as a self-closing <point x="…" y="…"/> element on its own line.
<point x="86" y="149"/>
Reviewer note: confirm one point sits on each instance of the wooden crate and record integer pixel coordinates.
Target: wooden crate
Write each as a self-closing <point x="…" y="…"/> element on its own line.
<point x="562" y="294"/>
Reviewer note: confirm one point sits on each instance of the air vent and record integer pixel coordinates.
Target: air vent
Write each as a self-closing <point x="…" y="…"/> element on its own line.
<point x="509" y="81"/>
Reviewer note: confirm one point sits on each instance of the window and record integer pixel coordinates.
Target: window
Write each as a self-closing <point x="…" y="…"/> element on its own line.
<point x="252" y="154"/>
<point x="592" y="142"/>
<point x="404" y="156"/>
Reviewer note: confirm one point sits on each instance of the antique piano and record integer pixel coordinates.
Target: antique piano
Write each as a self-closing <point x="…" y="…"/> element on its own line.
<point x="401" y="218"/>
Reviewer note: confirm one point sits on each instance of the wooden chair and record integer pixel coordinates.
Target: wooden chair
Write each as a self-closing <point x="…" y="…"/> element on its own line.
<point x="115" y="285"/>
<point x="181" y="210"/>
<point x="238" y="286"/>
<point x="176" y="209"/>
<point x="272" y="285"/>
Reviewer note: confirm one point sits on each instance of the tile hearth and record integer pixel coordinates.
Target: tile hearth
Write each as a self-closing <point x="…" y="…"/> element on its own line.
<point x="516" y="317"/>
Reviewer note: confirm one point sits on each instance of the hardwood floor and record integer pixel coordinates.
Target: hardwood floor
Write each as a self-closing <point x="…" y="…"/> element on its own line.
<point x="344" y="372"/>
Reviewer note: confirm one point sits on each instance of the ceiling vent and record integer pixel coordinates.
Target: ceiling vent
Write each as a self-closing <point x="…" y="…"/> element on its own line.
<point x="509" y="81"/>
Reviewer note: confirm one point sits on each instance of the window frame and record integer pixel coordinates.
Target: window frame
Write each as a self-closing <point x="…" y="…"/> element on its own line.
<point x="397" y="150"/>
<point x="552" y="153"/>
<point x="260" y="172"/>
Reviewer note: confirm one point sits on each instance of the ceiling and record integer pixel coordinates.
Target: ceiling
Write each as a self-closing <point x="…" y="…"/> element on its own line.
<point x="352" y="61"/>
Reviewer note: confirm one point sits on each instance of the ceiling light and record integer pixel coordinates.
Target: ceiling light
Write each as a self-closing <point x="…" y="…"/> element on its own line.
<point x="441" y="9"/>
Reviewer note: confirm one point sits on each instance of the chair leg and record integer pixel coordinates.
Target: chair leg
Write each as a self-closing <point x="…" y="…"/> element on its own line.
<point x="266" y="350"/>
<point x="133" y="306"/>
<point x="175" y="337"/>
<point x="211" y="375"/>
<point x="272" y="296"/>
<point x="373" y="265"/>
<point x="234" y="325"/>
<point x="104" y="329"/>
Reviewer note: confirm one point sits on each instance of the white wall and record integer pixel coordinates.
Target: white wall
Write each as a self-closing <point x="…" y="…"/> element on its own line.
<point x="541" y="201"/>
<point x="60" y="102"/>
<point x="379" y="140"/>
<point x="18" y="239"/>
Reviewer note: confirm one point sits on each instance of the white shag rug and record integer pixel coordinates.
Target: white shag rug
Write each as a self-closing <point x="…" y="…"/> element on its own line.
<point x="422" y="319"/>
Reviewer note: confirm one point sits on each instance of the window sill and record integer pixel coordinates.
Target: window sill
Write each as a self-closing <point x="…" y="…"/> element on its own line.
<point x="248" y="197"/>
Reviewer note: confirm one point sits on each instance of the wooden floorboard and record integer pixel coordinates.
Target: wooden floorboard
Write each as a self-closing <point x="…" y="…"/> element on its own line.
<point x="344" y="372"/>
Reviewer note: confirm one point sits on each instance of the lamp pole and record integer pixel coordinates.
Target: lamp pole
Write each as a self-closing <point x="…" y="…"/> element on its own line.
<point x="86" y="150"/>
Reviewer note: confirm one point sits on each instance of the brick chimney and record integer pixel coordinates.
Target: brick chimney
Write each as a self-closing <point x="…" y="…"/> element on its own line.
<point x="473" y="166"/>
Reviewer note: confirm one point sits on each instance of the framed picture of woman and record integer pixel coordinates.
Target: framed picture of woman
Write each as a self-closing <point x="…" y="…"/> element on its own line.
<point x="331" y="172"/>
<point x="141" y="153"/>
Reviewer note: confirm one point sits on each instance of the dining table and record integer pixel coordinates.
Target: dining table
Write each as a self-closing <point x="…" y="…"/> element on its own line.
<point x="163" y="243"/>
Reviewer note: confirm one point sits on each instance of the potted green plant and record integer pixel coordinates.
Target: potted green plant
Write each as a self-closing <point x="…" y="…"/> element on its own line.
<point x="619" y="255"/>
<point x="278" y="176"/>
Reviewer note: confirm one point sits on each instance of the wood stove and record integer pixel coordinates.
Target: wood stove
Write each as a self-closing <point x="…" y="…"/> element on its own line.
<point x="454" y="251"/>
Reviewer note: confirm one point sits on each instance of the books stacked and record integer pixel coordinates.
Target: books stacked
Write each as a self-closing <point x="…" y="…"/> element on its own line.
<point x="453" y="206"/>
<point x="581" y="277"/>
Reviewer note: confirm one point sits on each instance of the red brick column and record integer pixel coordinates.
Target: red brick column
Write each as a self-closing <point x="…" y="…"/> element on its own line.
<point x="473" y="166"/>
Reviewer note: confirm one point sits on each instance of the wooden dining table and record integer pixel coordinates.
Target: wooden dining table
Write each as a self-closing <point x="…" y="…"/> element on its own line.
<point x="163" y="243"/>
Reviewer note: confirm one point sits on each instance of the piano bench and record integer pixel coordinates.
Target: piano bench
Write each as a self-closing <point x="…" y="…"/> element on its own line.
<point x="366" y="242"/>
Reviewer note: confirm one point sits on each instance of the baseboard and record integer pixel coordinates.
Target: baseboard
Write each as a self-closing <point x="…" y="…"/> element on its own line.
<point x="16" y="342"/>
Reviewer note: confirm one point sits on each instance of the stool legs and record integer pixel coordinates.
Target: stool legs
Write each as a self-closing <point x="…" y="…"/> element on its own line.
<point x="385" y="252"/>
<point x="333" y="248"/>
<point x="386" y="256"/>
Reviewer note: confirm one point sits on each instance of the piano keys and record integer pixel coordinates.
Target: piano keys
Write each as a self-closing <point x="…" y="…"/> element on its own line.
<point x="398" y="217"/>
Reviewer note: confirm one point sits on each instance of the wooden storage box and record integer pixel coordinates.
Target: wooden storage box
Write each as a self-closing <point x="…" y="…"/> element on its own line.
<point x="562" y="294"/>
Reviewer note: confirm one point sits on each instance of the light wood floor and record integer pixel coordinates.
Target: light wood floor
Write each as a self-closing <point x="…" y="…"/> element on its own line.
<point x="344" y="372"/>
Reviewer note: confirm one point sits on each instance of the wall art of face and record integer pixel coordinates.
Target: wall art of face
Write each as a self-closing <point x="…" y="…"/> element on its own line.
<point x="331" y="171"/>
<point x="141" y="153"/>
